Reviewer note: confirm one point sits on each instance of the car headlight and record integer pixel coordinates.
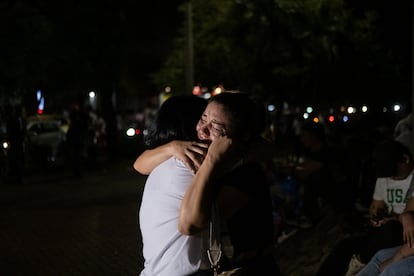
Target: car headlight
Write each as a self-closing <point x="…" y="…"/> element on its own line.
<point x="5" y="145"/>
<point x="130" y="132"/>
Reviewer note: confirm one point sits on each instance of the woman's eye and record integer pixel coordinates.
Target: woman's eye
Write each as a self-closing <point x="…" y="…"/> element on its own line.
<point x="218" y="131"/>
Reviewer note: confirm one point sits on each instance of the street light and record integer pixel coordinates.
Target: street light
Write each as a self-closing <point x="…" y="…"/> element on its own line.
<point x="92" y="99"/>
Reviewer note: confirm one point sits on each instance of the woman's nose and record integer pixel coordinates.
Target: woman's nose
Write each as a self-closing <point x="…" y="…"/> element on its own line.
<point x="204" y="129"/>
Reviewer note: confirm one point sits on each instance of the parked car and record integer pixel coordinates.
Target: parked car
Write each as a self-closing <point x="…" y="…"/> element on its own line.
<point x="45" y="141"/>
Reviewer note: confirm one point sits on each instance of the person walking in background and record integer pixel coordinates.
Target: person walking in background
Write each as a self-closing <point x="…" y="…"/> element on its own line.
<point x="76" y="139"/>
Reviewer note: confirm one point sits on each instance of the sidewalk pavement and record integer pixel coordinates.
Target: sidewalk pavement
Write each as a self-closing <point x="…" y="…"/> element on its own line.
<point x="59" y="225"/>
<point x="56" y="224"/>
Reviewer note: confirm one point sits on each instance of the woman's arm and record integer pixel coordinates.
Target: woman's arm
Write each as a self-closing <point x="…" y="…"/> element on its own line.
<point x="190" y="153"/>
<point x="407" y="220"/>
<point x="196" y="205"/>
<point x="377" y="211"/>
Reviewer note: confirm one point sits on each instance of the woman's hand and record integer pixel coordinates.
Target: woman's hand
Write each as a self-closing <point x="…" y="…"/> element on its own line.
<point x="377" y="213"/>
<point x="377" y="222"/>
<point x="225" y="153"/>
<point x="407" y="220"/>
<point x="380" y="221"/>
<point x="190" y="153"/>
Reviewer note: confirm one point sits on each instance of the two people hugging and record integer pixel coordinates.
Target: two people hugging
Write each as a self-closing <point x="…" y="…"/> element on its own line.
<point x="200" y="153"/>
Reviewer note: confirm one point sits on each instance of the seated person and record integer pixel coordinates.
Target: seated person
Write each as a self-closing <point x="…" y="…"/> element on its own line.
<point x="394" y="170"/>
<point x="322" y="173"/>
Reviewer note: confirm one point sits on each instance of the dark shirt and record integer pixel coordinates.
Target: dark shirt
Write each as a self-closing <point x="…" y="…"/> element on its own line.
<point x="251" y="227"/>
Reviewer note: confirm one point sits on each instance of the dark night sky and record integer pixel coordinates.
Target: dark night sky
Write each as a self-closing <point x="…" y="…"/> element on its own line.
<point x="85" y="41"/>
<point x="52" y="43"/>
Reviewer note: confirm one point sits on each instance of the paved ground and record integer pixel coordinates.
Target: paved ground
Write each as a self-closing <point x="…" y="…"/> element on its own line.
<point x="303" y="253"/>
<point x="61" y="225"/>
<point x="56" y="224"/>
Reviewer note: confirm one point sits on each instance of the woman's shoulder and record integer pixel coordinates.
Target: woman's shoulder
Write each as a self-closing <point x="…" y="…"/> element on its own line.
<point x="171" y="166"/>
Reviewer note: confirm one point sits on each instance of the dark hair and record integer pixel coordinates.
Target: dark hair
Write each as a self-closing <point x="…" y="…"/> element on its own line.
<point x="176" y="120"/>
<point x="387" y="155"/>
<point x="247" y="115"/>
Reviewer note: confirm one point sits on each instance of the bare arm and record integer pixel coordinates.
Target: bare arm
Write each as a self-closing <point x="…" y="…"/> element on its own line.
<point x="407" y="250"/>
<point x="196" y="205"/>
<point x="150" y="158"/>
<point x="195" y="208"/>
<point x="377" y="211"/>
<point x="407" y="220"/>
<point x="191" y="153"/>
<point x="410" y="205"/>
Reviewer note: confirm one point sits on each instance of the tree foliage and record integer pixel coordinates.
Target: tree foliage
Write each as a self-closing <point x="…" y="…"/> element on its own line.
<point x="303" y="50"/>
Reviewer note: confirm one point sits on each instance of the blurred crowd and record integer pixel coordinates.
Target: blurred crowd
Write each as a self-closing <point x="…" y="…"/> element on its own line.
<point x="67" y="140"/>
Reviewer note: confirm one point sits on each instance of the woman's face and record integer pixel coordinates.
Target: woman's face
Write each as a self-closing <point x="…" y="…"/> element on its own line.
<point x="214" y="122"/>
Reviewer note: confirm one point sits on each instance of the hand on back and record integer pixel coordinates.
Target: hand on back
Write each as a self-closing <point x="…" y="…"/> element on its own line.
<point x="190" y="153"/>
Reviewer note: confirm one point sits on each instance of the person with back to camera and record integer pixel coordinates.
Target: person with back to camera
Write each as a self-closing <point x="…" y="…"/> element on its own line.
<point x="166" y="251"/>
<point x="230" y="123"/>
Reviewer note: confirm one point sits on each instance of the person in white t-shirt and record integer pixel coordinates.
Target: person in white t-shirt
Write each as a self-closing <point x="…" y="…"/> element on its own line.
<point x="397" y="260"/>
<point x="393" y="189"/>
<point x="166" y="251"/>
<point x="392" y="196"/>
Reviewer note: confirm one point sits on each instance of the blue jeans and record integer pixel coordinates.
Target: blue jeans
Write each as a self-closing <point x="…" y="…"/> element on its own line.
<point x="404" y="267"/>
